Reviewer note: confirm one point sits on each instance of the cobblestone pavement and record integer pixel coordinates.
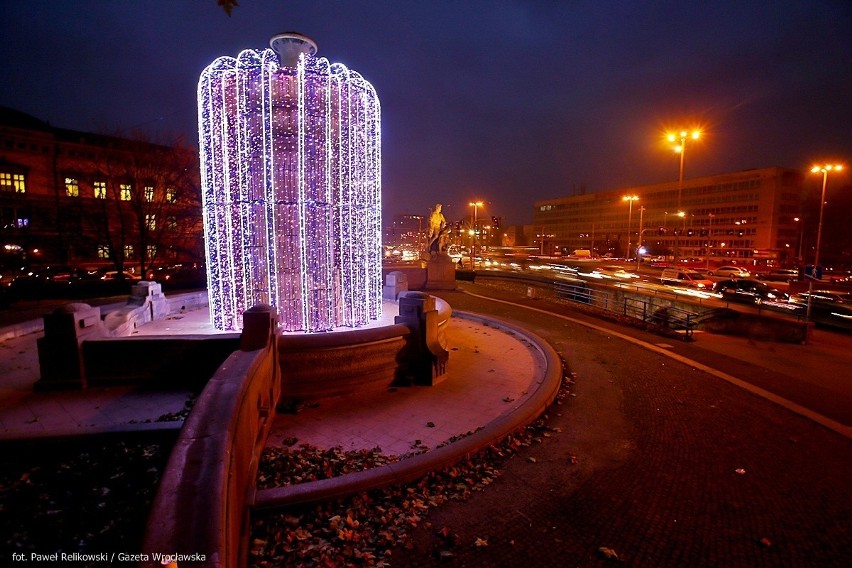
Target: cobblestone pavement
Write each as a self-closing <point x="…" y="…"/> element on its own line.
<point x="656" y="462"/>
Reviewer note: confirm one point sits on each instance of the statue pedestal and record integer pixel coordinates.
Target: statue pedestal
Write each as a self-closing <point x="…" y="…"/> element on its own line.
<point x="440" y="272"/>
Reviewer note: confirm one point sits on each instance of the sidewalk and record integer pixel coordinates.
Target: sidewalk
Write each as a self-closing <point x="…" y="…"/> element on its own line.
<point x="25" y="413"/>
<point x="491" y="374"/>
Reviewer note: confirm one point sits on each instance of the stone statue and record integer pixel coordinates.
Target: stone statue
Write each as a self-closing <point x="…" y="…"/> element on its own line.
<point x="437" y="231"/>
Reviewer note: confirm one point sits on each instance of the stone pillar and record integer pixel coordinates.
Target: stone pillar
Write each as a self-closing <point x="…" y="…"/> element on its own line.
<point x="396" y="282"/>
<point x="60" y="354"/>
<point x="426" y="360"/>
<point x="259" y="327"/>
<point x="150" y="294"/>
<point x="440" y="272"/>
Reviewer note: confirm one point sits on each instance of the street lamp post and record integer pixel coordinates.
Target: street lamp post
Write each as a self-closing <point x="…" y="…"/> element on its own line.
<point x="801" y="239"/>
<point x="639" y="238"/>
<point x="824" y="170"/>
<point x="683" y="135"/>
<point x="709" y="241"/>
<point x="476" y="205"/>
<point x="682" y="215"/>
<point x="681" y="149"/>
<point x="629" y="199"/>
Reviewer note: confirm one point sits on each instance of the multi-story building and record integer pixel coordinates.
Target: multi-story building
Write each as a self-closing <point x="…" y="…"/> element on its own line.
<point x="751" y="215"/>
<point x="86" y="200"/>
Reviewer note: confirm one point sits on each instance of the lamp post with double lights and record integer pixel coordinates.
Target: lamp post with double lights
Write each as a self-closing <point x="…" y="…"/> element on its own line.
<point x="476" y="205"/>
<point x="629" y="199"/>
<point x="682" y="136"/>
<point x="824" y="170"/>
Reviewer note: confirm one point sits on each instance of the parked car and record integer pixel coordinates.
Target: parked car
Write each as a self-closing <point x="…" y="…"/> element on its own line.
<point x="751" y="291"/>
<point x="781" y="275"/>
<point x="685" y="277"/>
<point x="730" y="272"/>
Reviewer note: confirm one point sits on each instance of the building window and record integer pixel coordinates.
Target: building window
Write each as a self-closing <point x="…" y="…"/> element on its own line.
<point x="125" y="191"/>
<point x="171" y="195"/>
<point x="128" y="251"/>
<point x="13" y="182"/>
<point x="72" y="187"/>
<point x="151" y="221"/>
<point x="103" y="252"/>
<point x="22" y="219"/>
<point x="100" y="190"/>
<point x="149" y="193"/>
<point x="152" y="251"/>
<point x="171" y="223"/>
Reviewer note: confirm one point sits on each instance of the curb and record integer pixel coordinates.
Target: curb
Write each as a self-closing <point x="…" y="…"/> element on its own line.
<point x="419" y="465"/>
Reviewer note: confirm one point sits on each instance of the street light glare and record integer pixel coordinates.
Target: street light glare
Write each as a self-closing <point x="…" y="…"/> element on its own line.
<point x="827" y="168"/>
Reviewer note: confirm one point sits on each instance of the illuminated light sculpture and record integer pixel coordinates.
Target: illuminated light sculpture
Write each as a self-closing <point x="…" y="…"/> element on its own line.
<point x="291" y="188"/>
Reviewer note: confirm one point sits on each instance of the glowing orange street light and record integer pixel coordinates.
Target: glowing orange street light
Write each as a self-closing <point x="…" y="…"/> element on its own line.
<point x="629" y="199"/>
<point x="683" y="135"/>
<point x="476" y="205"/>
<point x="824" y="169"/>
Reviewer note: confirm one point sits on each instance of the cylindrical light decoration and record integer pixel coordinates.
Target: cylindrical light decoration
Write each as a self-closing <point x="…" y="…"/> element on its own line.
<point x="290" y="151"/>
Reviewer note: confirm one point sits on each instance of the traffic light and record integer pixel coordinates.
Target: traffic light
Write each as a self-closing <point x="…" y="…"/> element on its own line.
<point x="495" y="221"/>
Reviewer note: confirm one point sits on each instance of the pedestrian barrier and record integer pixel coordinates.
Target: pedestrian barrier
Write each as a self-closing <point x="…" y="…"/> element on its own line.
<point x="645" y="310"/>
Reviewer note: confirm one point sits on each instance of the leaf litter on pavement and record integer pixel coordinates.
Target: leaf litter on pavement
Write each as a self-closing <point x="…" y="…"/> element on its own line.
<point x="361" y="530"/>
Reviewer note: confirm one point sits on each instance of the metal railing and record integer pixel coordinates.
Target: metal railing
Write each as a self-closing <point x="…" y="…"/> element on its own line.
<point x="668" y="317"/>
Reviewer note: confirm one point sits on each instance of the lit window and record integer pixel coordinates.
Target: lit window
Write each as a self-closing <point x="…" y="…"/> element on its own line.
<point x="72" y="187"/>
<point x="100" y="190"/>
<point x="152" y="251"/>
<point x="125" y="191"/>
<point x="151" y="221"/>
<point x="149" y="193"/>
<point x="171" y="223"/>
<point x="13" y="182"/>
<point x="103" y="252"/>
<point x="128" y="251"/>
<point x="171" y="195"/>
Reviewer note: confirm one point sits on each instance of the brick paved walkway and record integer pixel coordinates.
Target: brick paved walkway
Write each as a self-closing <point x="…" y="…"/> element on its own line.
<point x="659" y="462"/>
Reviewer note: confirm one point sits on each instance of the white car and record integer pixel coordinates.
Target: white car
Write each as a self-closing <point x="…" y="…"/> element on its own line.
<point x="730" y="272"/>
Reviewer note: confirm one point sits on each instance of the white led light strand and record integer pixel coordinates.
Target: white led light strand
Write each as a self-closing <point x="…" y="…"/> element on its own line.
<point x="291" y="176"/>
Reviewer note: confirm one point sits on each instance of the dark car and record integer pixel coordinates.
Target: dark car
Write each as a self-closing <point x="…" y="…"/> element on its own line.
<point x="828" y="308"/>
<point x="781" y="275"/>
<point x="748" y="290"/>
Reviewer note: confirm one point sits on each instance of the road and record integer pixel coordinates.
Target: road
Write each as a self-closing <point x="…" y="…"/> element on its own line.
<point x="653" y="459"/>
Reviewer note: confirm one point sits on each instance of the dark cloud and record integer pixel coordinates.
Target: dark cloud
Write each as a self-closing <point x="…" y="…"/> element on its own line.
<point x="506" y="101"/>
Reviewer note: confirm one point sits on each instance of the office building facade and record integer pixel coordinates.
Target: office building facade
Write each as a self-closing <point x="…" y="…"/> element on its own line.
<point x="750" y="216"/>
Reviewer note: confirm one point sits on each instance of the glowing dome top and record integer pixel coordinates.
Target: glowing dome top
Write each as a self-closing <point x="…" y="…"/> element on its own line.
<point x="290" y="150"/>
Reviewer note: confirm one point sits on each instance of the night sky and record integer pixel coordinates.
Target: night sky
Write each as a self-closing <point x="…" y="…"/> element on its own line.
<point x="507" y="102"/>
